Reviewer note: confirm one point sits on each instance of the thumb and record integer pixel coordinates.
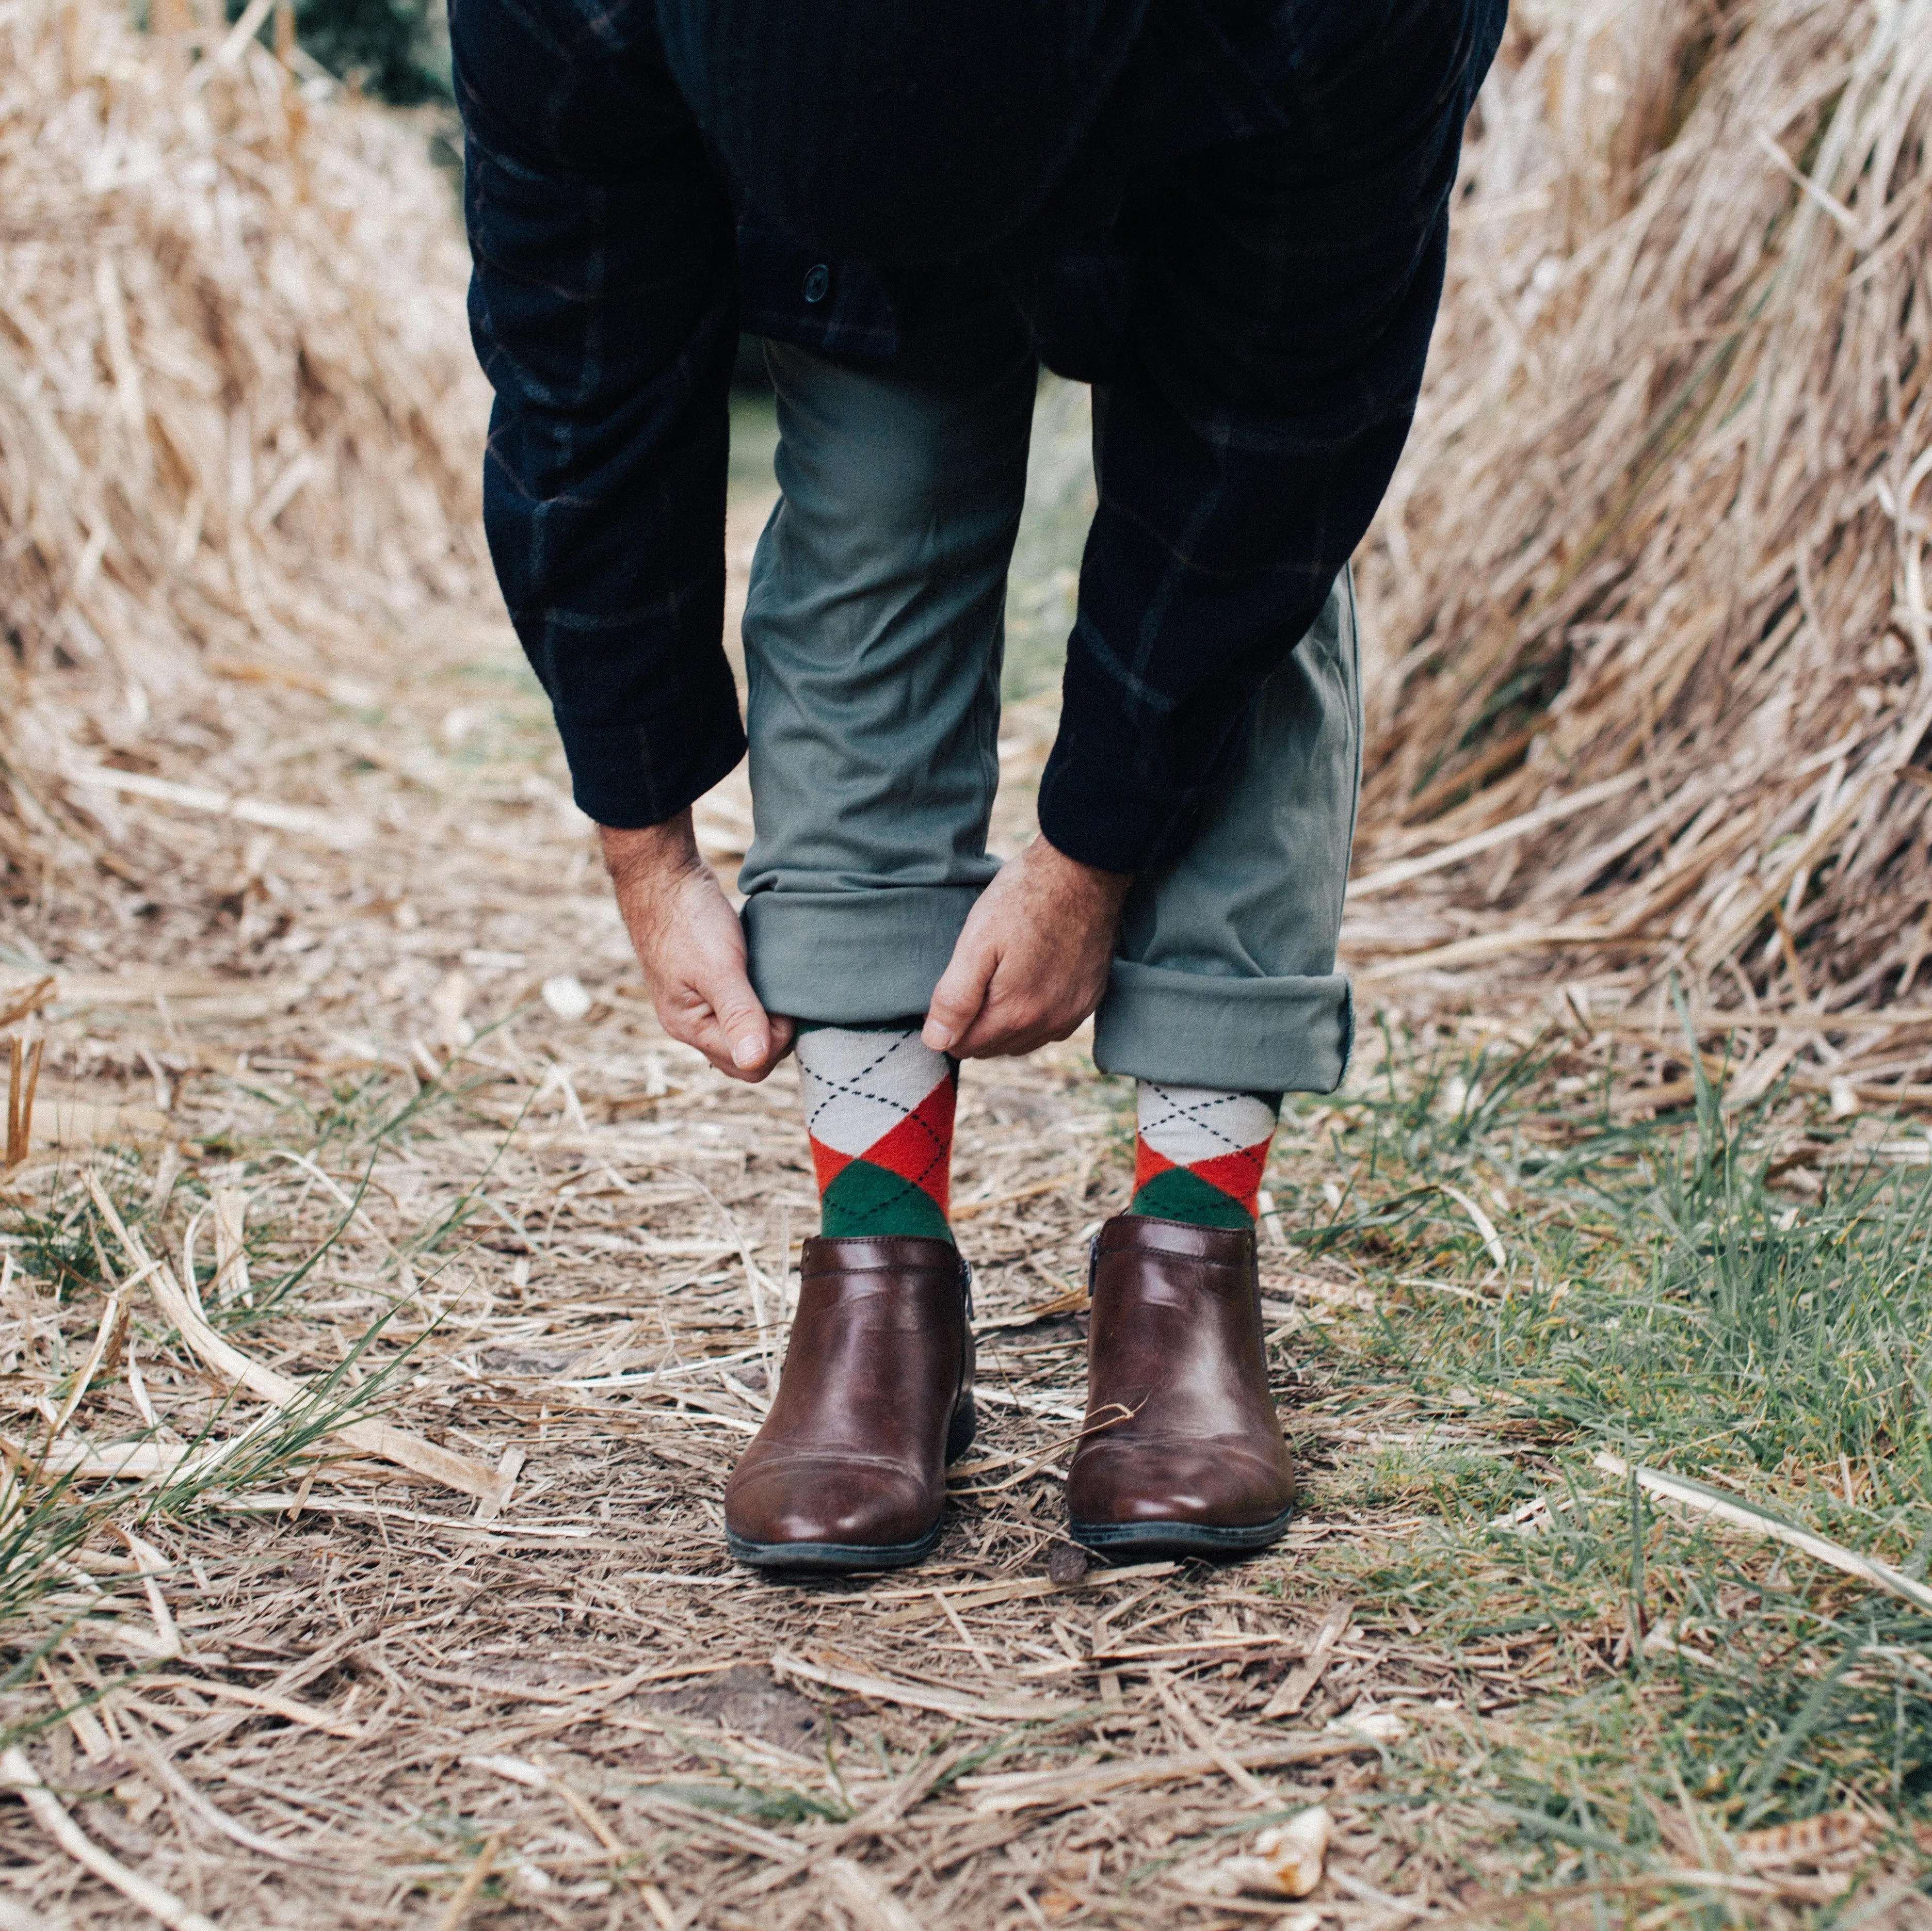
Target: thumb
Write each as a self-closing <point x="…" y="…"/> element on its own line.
<point x="741" y="1019"/>
<point x="960" y="994"/>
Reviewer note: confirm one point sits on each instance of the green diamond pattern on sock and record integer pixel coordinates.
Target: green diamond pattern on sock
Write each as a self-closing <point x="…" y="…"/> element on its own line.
<point x="1178" y="1194"/>
<point x="865" y="1199"/>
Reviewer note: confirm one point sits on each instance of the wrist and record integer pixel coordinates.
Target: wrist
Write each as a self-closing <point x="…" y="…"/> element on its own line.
<point x="649" y="854"/>
<point x="1106" y="887"/>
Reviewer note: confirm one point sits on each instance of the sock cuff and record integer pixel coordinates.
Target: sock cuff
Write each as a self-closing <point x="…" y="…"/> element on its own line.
<point x="912" y="1022"/>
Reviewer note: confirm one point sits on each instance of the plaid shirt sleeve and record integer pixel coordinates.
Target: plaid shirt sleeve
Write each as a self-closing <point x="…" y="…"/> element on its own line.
<point x="604" y="307"/>
<point x="1280" y="288"/>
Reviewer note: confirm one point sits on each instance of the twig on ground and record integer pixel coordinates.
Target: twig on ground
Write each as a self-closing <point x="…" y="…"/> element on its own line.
<point x="1695" y="1496"/>
<point x="461" y="1472"/>
<point x="50" y="1813"/>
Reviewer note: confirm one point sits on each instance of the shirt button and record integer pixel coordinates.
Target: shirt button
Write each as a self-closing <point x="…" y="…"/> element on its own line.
<point x="818" y="281"/>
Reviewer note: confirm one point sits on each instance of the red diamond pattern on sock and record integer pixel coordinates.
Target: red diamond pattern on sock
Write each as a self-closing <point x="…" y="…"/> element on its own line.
<point x="827" y="1162"/>
<point x="1200" y="1153"/>
<point x="919" y="1148"/>
<point x="1238" y="1174"/>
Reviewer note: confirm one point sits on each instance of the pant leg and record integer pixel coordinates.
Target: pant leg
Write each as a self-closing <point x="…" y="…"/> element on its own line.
<point x="873" y="637"/>
<point x="1225" y="973"/>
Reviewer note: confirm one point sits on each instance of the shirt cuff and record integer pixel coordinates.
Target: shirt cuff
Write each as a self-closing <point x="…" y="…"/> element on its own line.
<point x="1095" y="810"/>
<point x="627" y="776"/>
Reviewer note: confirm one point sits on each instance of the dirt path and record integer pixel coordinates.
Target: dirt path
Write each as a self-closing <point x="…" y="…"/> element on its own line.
<point x="406" y="1037"/>
<point x="379" y="1015"/>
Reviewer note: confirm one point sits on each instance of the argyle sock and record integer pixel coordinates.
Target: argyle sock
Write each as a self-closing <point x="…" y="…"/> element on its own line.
<point x="1200" y="1153"/>
<point x="878" y="1105"/>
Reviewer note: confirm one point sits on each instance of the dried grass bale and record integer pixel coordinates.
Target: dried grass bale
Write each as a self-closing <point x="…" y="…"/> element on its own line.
<point x="239" y="418"/>
<point x="1665" y="514"/>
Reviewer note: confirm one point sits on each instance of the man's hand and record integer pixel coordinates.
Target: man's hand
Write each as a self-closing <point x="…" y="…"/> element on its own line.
<point x="692" y="947"/>
<point x="1032" y="961"/>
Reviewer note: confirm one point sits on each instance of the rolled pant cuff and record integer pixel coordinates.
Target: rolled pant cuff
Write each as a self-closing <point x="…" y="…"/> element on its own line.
<point x="852" y="958"/>
<point x="1241" y="1035"/>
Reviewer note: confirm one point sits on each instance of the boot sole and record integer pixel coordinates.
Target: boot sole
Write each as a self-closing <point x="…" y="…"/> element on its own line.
<point x="828" y="1558"/>
<point x="1180" y="1538"/>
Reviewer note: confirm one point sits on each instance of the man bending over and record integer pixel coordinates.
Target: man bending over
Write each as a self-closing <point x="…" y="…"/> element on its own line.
<point x="1230" y="218"/>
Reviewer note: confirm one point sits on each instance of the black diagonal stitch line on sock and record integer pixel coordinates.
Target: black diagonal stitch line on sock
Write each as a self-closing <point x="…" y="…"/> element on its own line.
<point x="949" y="1068"/>
<point x="840" y="1088"/>
<point x="1192" y="1116"/>
<point x="942" y="1149"/>
<point x="871" y="1100"/>
<point x="843" y="1089"/>
<point x="890" y="1204"/>
<point x="854" y="1087"/>
<point x="904" y="1111"/>
<point x="941" y="1154"/>
<point x="1195" y="1115"/>
<point x="854" y="1084"/>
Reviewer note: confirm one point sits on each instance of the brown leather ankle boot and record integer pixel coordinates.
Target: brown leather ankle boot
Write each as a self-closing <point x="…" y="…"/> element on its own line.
<point x="849" y="1471"/>
<point x="1185" y="1452"/>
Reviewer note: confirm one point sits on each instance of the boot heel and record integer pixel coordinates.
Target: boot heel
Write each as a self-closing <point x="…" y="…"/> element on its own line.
<point x="965" y="1424"/>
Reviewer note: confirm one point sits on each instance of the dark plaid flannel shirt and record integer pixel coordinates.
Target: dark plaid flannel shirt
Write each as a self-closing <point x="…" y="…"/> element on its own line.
<point x="1246" y="263"/>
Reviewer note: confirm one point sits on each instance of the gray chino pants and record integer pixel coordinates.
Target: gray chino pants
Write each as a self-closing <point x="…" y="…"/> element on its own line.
<point x="874" y="633"/>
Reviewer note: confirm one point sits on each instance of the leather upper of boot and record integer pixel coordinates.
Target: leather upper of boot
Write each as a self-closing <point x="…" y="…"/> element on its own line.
<point x="1181" y="1426"/>
<point x="853" y="1449"/>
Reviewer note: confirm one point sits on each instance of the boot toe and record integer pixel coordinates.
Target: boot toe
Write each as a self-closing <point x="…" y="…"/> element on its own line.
<point x="1207" y="1485"/>
<point x="846" y="1505"/>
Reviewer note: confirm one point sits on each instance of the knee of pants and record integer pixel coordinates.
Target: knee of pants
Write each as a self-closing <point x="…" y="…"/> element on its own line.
<point x="875" y="468"/>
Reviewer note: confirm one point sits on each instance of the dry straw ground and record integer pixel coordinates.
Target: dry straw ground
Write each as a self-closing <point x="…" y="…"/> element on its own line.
<point x="382" y="1298"/>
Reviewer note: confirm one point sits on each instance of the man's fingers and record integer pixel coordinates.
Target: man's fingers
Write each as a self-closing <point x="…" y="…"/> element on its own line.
<point x="743" y="1022"/>
<point x="1011" y="1021"/>
<point x="959" y="995"/>
<point x="1000" y="1033"/>
<point x="718" y="1013"/>
<point x="699" y="1027"/>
